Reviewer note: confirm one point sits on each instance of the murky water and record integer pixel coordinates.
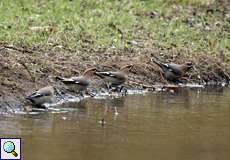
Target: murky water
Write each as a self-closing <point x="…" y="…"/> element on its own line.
<point x="190" y="124"/>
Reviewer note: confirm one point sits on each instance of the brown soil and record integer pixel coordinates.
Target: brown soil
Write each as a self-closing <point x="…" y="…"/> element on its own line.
<point x="24" y="70"/>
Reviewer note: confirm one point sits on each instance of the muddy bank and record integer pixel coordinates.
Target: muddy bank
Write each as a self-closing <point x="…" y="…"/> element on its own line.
<point x="25" y="70"/>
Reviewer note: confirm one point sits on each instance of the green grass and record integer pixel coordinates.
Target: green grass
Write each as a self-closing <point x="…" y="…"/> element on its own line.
<point x="92" y="24"/>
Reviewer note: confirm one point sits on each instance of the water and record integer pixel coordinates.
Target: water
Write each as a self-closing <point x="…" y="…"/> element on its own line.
<point x="189" y="124"/>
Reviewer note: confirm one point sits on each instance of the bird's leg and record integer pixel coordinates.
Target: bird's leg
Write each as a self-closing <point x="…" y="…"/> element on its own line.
<point x="109" y="87"/>
<point x="42" y="106"/>
<point x="163" y="80"/>
<point x="125" y="92"/>
<point x="185" y="78"/>
<point x="59" y="93"/>
<point x="92" y="94"/>
<point x="122" y="90"/>
<point x="81" y="94"/>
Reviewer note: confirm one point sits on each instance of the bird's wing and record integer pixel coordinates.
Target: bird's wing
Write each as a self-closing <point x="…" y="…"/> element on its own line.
<point x="46" y="91"/>
<point x="35" y="95"/>
<point x="83" y="81"/>
<point x="118" y="75"/>
<point x="103" y="74"/>
<point x="71" y="80"/>
<point x="164" y="66"/>
<point x="67" y="80"/>
<point x="175" y="68"/>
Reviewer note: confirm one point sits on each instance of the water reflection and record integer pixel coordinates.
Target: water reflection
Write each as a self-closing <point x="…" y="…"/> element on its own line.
<point x="179" y="97"/>
<point x="187" y="124"/>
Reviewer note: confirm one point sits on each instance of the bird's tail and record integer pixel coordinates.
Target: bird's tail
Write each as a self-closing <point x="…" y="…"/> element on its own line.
<point x="159" y="63"/>
<point x="29" y="98"/>
<point x="59" y="78"/>
<point x="66" y="80"/>
<point x="100" y="74"/>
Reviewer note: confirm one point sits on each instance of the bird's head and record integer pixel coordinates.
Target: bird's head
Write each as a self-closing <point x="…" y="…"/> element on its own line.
<point x="126" y="68"/>
<point x="188" y="65"/>
<point x="90" y="72"/>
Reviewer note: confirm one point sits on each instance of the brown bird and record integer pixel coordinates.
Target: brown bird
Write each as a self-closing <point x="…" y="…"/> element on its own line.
<point x="173" y="72"/>
<point x="42" y="96"/>
<point x="114" y="78"/>
<point x="78" y="84"/>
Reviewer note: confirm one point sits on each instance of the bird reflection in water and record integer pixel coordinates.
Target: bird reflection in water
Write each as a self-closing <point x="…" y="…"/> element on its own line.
<point x="111" y="106"/>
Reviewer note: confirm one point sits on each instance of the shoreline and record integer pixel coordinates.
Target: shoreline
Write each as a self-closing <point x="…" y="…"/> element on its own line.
<point x="24" y="72"/>
<point x="10" y="105"/>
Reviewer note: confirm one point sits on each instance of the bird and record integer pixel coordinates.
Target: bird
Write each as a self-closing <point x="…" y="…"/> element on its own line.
<point x="78" y="84"/>
<point x="173" y="72"/>
<point x="42" y="96"/>
<point x="114" y="78"/>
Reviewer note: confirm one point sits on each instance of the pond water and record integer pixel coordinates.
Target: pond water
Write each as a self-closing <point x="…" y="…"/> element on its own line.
<point x="189" y="124"/>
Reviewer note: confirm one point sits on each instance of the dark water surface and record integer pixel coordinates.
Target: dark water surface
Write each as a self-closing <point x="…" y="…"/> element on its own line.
<point x="191" y="124"/>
